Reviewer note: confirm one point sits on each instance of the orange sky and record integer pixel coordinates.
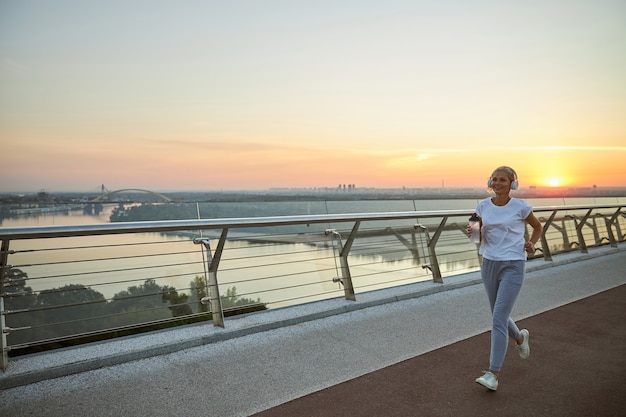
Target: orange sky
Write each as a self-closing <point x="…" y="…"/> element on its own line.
<point x="251" y="96"/>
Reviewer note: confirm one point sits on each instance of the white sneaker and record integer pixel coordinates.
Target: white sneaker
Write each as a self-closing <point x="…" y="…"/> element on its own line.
<point x="524" y="348"/>
<point x="488" y="380"/>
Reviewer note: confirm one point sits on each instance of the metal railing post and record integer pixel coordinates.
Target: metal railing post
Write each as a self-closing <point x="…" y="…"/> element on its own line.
<point x="4" y="360"/>
<point x="594" y="227"/>
<point x="428" y="266"/>
<point x="564" y="236"/>
<point x="4" y="354"/>
<point x="609" y="227"/>
<point x="545" y="247"/>
<point x="213" y="261"/>
<point x="345" y="268"/>
<point x="579" y="231"/>
<point x="344" y="250"/>
<point x="431" y="243"/>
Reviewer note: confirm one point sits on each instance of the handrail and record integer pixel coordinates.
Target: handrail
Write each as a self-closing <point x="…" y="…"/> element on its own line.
<point x="40" y="232"/>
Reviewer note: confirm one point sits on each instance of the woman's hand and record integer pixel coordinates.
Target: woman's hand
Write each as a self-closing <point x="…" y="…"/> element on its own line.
<point x="536" y="235"/>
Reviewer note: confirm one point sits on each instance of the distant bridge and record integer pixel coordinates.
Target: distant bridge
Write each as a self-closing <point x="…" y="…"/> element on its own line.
<point x="109" y="193"/>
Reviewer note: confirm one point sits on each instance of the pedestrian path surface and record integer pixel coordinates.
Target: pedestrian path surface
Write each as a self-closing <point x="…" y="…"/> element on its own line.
<point x="417" y="356"/>
<point x="577" y="367"/>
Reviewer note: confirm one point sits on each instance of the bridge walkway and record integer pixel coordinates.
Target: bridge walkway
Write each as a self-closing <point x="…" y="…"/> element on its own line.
<point x="415" y="356"/>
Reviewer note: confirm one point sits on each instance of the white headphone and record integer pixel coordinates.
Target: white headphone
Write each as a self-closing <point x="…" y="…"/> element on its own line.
<point x="514" y="183"/>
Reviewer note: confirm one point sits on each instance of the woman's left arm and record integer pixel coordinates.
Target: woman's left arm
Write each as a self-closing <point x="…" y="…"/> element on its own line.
<point x="534" y="222"/>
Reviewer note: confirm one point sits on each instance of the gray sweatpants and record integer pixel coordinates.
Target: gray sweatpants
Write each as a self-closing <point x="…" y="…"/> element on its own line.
<point x="503" y="281"/>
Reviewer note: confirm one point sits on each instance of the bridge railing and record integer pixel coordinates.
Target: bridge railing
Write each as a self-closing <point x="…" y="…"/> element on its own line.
<point x="69" y="284"/>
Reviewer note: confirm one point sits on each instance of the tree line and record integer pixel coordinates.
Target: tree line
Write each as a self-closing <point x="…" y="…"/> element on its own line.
<point x="75" y="309"/>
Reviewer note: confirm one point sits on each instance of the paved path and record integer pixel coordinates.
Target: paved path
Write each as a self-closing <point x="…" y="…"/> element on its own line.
<point x="369" y="354"/>
<point x="577" y="367"/>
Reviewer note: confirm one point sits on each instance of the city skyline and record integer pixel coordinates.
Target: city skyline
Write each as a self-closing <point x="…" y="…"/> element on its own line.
<point x="206" y="95"/>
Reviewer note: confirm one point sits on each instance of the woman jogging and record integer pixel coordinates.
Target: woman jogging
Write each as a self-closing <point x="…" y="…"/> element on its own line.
<point x="502" y="246"/>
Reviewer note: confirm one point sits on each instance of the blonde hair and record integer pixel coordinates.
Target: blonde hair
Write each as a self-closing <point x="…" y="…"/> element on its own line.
<point x="511" y="174"/>
<point x="509" y="171"/>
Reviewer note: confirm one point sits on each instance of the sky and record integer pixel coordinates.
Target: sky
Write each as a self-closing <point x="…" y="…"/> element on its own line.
<point x="247" y="95"/>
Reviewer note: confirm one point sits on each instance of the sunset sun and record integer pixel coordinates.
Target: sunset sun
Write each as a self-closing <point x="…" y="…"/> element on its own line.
<point x="554" y="181"/>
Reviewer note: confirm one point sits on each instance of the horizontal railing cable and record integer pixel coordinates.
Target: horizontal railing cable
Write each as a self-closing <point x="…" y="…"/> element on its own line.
<point x="108" y="271"/>
<point x="67" y="248"/>
<point x="116" y="258"/>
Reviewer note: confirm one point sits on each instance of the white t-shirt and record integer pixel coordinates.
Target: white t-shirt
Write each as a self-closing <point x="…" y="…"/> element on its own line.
<point x="503" y="229"/>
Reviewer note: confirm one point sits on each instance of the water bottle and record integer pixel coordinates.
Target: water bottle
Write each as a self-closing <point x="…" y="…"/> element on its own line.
<point x="474" y="222"/>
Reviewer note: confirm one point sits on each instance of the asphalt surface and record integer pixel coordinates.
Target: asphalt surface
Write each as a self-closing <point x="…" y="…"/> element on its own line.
<point x="577" y="367"/>
<point x="415" y="356"/>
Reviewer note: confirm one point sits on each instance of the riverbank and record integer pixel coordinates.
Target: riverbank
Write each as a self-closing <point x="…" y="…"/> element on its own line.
<point x="310" y="194"/>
